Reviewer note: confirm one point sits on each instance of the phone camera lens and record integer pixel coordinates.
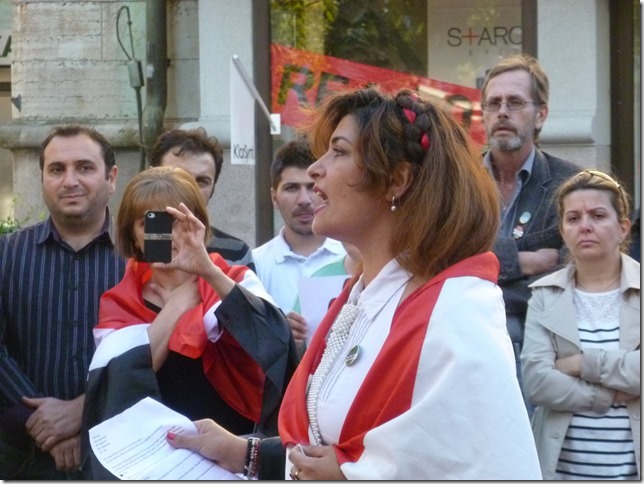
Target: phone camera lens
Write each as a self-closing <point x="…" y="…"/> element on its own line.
<point x="150" y="215"/>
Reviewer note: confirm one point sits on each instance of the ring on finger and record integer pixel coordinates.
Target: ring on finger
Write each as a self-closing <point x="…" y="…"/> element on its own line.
<point x="296" y="476"/>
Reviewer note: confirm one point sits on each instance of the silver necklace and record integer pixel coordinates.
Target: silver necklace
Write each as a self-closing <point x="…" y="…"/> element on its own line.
<point x="602" y="288"/>
<point x="336" y="341"/>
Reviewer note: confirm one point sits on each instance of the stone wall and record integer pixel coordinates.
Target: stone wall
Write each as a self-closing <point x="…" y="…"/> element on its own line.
<point x="68" y="66"/>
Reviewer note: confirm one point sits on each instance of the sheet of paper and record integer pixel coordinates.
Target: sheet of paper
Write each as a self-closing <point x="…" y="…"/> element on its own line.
<point x="132" y="445"/>
<point x="316" y="295"/>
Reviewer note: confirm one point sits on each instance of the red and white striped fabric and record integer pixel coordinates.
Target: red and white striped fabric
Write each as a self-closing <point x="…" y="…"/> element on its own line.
<point x="434" y="393"/>
<point x="234" y="374"/>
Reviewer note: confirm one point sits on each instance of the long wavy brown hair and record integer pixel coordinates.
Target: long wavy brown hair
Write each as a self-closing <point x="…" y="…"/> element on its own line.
<point x="451" y="209"/>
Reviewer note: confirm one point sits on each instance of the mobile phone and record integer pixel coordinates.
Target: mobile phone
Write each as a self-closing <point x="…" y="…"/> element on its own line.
<point x="157" y="243"/>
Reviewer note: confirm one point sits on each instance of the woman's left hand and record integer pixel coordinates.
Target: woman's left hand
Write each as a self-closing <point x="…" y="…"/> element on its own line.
<point x="570" y="365"/>
<point x="215" y="443"/>
<point x="623" y="397"/>
<point x="318" y="463"/>
<point x="188" y="234"/>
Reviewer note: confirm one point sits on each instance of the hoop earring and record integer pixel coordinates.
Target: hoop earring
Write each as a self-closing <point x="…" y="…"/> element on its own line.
<point x="393" y="207"/>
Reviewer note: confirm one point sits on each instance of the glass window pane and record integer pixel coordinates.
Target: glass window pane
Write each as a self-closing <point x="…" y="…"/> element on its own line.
<point x="467" y="37"/>
<point x="442" y="48"/>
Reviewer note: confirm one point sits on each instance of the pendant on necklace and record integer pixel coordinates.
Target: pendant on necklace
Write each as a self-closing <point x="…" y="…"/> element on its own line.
<point x="352" y="356"/>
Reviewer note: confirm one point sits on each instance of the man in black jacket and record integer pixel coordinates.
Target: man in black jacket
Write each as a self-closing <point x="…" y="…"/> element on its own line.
<point x="528" y="245"/>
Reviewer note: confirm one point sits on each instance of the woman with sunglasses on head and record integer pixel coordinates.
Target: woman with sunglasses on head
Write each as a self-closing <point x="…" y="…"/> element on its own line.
<point x="581" y="354"/>
<point x="411" y="374"/>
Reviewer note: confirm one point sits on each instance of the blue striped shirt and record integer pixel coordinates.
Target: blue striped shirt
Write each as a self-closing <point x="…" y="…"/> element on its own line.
<point x="598" y="446"/>
<point x="49" y="297"/>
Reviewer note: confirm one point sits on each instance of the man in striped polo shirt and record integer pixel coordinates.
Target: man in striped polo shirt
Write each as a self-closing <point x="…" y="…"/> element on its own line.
<point x="52" y="275"/>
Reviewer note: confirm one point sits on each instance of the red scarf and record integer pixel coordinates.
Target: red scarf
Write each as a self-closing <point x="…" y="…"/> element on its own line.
<point x="231" y="371"/>
<point x="393" y="377"/>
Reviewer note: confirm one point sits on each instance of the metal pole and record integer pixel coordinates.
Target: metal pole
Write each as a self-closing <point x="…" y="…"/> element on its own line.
<point x="263" y="139"/>
<point x="156" y="85"/>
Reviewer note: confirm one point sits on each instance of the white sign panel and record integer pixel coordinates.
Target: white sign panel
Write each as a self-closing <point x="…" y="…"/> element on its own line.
<point x="316" y="295"/>
<point x="242" y="120"/>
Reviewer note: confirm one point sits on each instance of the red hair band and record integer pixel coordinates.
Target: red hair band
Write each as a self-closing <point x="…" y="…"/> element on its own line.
<point x="411" y="116"/>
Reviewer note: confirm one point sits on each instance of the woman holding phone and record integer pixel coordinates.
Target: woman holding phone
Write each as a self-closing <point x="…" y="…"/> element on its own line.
<point x="201" y="336"/>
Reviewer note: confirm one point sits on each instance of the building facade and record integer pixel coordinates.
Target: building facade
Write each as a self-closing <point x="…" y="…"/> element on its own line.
<point x="76" y="61"/>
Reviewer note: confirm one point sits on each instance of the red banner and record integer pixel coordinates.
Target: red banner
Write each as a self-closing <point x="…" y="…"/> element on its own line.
<point x="300" y="78"/>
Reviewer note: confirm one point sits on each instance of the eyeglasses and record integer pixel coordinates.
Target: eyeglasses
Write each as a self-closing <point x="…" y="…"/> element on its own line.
<point x="494" y="105"/>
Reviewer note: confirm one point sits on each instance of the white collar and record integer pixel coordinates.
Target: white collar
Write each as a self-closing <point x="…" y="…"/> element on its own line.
<point x="389" y="283"/>
<point x="329" y="245"/>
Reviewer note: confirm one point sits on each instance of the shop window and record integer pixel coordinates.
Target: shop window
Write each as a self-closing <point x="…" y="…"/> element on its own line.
<point x="441" y="48"/>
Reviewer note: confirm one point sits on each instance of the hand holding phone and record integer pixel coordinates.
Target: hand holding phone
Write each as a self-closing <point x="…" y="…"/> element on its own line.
<point x="157" y="244"/>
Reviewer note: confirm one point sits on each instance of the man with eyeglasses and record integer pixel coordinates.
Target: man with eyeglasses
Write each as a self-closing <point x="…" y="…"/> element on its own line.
<point x="528" y="245"/>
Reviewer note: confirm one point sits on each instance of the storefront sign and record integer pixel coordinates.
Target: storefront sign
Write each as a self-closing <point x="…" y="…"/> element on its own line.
<point x="485" y="37"/>
<point x="300" y="78"/>
<point x="465" y="38"/>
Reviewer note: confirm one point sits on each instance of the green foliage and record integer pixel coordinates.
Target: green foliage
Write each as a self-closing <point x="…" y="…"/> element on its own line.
<point x="302" y="24"/>
<point x="386" y="33"/>
<point x="10" y="223"/>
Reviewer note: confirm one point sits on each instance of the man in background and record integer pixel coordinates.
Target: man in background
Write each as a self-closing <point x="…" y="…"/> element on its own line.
<point x="528" y="245"/>
<point x="296" y="252"/>
<point x="203" y="158"/>
<point x="52" y="275"/>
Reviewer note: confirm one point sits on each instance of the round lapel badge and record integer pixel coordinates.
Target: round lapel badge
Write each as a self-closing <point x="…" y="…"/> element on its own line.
<point x="352" y="356"/>
<point x="525" y="218"/>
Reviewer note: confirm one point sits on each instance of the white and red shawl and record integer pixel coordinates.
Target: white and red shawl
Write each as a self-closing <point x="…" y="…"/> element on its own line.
<point x="231" y="370"/>
<point x="441" y="399"/>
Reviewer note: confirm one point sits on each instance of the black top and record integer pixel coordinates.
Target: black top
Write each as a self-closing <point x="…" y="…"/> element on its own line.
<point x="185" y="389"/>
<point x="233" y="250"/>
